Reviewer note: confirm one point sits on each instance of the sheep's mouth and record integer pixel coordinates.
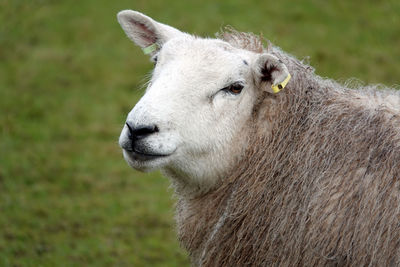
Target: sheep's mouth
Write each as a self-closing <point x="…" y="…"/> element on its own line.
<point x="144" y="156"/>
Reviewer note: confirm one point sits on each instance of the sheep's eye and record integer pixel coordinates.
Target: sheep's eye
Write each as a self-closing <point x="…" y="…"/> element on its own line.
<point x="235" y="88"/>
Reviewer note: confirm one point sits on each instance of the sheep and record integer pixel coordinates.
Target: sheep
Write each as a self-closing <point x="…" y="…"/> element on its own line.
<point x="307" y="176"/>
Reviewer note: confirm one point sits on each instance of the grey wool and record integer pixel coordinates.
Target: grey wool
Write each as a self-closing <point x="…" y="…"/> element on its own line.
<point x="318" y="184"/>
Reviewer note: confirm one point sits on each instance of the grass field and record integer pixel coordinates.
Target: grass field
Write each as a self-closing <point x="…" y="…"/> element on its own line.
<point x="69" y="76"/>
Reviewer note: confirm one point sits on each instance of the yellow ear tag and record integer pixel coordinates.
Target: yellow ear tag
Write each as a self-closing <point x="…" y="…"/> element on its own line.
<point x="150" y="49"/>
<point x="278" y="87"/>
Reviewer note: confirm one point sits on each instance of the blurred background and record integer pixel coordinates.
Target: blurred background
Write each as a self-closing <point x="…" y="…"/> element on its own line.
<point x="68" y="78"/>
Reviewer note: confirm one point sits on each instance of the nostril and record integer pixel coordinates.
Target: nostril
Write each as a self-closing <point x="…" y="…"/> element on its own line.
<point x="130" y="128"/>
<point x="141" y="131"/>
<point x="144" y="131"/>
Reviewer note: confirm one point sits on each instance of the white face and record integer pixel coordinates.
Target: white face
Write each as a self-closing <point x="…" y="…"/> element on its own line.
<point x="191" y="122"/>
<point x="199" y="98"/>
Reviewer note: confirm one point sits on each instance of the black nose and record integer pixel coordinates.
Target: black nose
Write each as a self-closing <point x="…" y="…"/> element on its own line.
<point x="140" y="132"/>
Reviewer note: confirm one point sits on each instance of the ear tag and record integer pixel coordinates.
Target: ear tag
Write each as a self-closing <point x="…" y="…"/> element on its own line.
<point x="278" y="87"/>
<point x="150" y="49"/>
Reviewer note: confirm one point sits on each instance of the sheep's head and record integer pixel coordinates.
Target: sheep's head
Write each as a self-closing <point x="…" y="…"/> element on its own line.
<point x="191" y="121"/>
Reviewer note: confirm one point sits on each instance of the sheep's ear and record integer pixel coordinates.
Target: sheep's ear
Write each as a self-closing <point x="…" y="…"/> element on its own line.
<point x="272" y="73"/>
<point x="145" y="32"/>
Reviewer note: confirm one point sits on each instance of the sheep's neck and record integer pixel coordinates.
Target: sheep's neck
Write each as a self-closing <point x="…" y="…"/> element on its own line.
<point x="318" y="163"/>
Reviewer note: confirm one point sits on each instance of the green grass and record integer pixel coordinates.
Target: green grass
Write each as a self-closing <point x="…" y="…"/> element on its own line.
<point x="69" y="76"/>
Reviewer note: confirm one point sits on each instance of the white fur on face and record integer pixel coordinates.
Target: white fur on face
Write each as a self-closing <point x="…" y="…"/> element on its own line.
<point x="199" y="124"/>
